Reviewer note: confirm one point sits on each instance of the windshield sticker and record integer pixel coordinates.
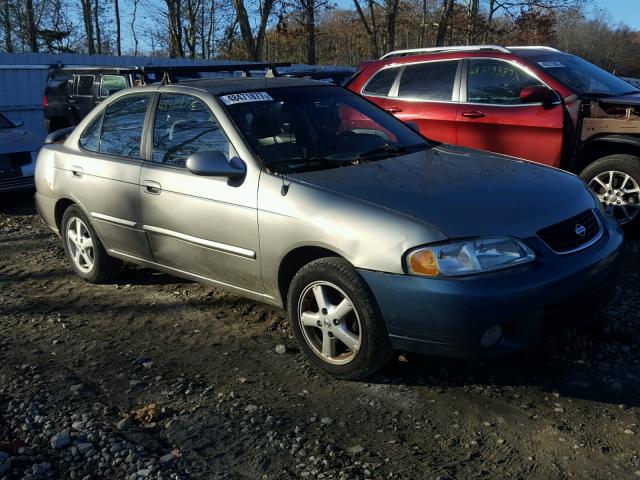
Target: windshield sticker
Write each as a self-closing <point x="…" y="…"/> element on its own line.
<point x="247" y="97"/>
<point x="552" y="64"/>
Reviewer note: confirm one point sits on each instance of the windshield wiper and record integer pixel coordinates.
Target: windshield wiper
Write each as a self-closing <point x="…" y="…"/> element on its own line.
<point x="306" y="162"/>
<point x="389" y="151"/>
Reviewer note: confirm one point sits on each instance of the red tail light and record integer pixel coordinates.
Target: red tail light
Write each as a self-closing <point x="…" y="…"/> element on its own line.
<point x="44" y="101"/>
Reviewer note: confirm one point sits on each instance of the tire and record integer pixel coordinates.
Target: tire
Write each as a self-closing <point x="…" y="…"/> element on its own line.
<point x="608" y="188"/>
<point x="87" y="256"/>
<point x="334" y="280"/>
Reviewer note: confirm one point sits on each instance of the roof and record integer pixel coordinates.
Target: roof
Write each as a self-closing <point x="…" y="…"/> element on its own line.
<point x="217" y="86"/>
<point x="516" y="50"/>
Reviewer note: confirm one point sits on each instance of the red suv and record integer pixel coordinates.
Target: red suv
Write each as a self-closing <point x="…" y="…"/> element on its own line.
<point x="536" y="103"/>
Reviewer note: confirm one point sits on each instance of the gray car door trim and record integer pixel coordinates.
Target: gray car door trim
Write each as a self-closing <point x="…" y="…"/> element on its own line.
<point x="221" y="247"/>
<point x="192" y="276"/>
<point x="110" y="219"/>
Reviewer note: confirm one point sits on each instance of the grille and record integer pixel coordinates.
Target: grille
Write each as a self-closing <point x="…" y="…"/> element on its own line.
<point x="15" y="159"/>
<point x="563" y="237"/>
<point x="577" y="311"/>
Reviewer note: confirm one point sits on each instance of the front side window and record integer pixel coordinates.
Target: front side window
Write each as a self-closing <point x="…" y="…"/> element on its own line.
<point x="496" y="82"/>
<point x="381" y="82"/>
<point x="428" y="81"/>
<point x="122" y="126"/>
<point x="111" y="84"/>
<point x="313" y="128"/>
<point x="84" y="85"/>
<point x="183" y="126"/>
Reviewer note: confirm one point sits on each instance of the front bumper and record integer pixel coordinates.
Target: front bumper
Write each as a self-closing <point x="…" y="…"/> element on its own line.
<point x="447" y="317"/>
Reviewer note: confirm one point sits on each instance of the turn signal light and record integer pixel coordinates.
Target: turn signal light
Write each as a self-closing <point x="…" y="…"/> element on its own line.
<point x="423" y="262"/>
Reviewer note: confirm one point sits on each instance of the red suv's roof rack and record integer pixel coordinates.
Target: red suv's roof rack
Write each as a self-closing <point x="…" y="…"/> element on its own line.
<point x="464" y="48"/>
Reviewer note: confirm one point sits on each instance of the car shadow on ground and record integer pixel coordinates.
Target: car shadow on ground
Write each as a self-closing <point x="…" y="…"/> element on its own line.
<point x="578" y="373"/>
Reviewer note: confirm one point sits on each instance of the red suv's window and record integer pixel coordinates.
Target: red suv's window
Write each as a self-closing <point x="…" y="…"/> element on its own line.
<point x="428" y="81"/>
<point x="496" y="82"/>
<point x="381" y="82"/>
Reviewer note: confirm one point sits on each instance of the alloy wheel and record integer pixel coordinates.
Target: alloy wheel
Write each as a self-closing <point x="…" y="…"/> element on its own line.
<point x="330" y="323"/>
<point x="80" y="245"/>
<point x="619" y="194"/>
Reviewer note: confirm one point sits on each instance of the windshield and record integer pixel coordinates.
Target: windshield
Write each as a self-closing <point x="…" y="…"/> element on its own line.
<point x="581" y="76"/>
<point x="5" y="122"/>
<point x="304" y="128"/>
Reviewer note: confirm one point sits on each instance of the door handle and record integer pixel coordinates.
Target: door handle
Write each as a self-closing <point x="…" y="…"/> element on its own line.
<point x="153" y="188"/>
<point x="392" y="109"/>
<point x="72" y="100"/>
<point x="473" y="114"/>
<point x="76" y="171"/>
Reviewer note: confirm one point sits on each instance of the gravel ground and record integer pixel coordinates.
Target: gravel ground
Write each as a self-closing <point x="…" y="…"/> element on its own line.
<point x="155" y="377"/>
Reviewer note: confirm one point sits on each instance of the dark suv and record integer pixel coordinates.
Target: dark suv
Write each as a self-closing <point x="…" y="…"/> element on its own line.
<point x="72" y="92"/>
<point x="536" y="103"/>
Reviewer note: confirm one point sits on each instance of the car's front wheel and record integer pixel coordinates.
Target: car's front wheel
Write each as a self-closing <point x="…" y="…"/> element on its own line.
<point x="336" y="319"/>
<point x="616" y="181"/>
<point x="84" y="250"/>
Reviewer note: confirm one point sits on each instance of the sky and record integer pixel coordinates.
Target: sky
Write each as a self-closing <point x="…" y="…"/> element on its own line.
<point x="622" y="11"/>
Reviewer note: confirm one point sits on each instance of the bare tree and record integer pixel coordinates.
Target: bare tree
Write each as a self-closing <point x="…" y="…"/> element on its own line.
<point x="443" y="25"/>
<point x="381" y="39"/>
<point x="96" y="16"/>
<point x="31" y="26"/>
<point x="174" y="13"/>
<point x="133" y="27"/>
<point x="193" y="7"/>
<point x="8" y="31"/>
<point x="253" y="44"/>
<point x="116" y="7"/>
<point x="87" y="17"/>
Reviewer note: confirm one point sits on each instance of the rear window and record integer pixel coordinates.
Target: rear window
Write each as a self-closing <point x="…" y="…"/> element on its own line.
<point x="58" y="83"/>
<point x="84" y="85"/>
<point x="111" y="84"/>
<point x="381" y="82"/>
<point x="429" y="81"/>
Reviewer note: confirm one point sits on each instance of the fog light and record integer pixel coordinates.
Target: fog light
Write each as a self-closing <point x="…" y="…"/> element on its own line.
<point x="491" y="336"/>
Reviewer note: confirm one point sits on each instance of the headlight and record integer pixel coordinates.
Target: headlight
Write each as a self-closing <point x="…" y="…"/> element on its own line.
<point x="468" y="256"/>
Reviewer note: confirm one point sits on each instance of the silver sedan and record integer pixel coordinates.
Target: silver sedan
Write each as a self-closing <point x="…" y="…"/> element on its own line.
<point x="307" y="196"/>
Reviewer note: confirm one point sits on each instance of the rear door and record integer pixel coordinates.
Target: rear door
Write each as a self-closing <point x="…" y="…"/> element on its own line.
<point x="492" y="117"/>
<point x="426" y="94"/>
<point x="200" y="225"/>
<point x="82" y="98"/>
<point x="104" y="175"/>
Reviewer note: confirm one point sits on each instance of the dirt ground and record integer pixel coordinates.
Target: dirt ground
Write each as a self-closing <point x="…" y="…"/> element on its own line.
<point x="76" y="359"/>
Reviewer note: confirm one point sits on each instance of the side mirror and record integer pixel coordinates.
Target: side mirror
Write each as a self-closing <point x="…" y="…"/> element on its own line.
<point x="413" y="126"/>
<point x="214" y="163"/>
<point x="538" y="94"/>
<point x="18" y="123"/>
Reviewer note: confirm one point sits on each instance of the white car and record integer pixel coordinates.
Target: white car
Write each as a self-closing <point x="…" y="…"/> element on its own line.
<point x="18" y="150"/>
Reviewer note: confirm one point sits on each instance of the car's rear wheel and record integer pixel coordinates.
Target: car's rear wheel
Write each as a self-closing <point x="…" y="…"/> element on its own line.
<point x="84" y="250"/>
<point x="336" y="319"/>
<point x="616" y="181"/>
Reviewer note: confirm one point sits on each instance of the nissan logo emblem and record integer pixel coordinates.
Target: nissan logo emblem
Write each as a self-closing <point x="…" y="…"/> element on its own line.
<point x="580" y="230"/>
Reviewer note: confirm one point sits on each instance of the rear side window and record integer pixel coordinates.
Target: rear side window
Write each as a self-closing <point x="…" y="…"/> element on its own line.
<point x="381" y="82"/>
<point x="183" y="126"/>
<point x="84" y="85"/>
<point x="111" y="84"/>
<point x="122" y="126"/>
<point x="429" y="81"/>
<point x="90" y="138"/>
<point x="496" y="82"/>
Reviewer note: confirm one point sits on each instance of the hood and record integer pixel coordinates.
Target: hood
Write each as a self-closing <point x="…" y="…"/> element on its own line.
<point x="461" y="192"/>
<point x="18" y="140"/>
<point x="631" y="100"/>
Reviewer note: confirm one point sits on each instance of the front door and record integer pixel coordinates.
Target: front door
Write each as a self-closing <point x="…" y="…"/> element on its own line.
<point x="492" y="117"/>
<point x="199" y="225"/>
<point x="104" y="176"/>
